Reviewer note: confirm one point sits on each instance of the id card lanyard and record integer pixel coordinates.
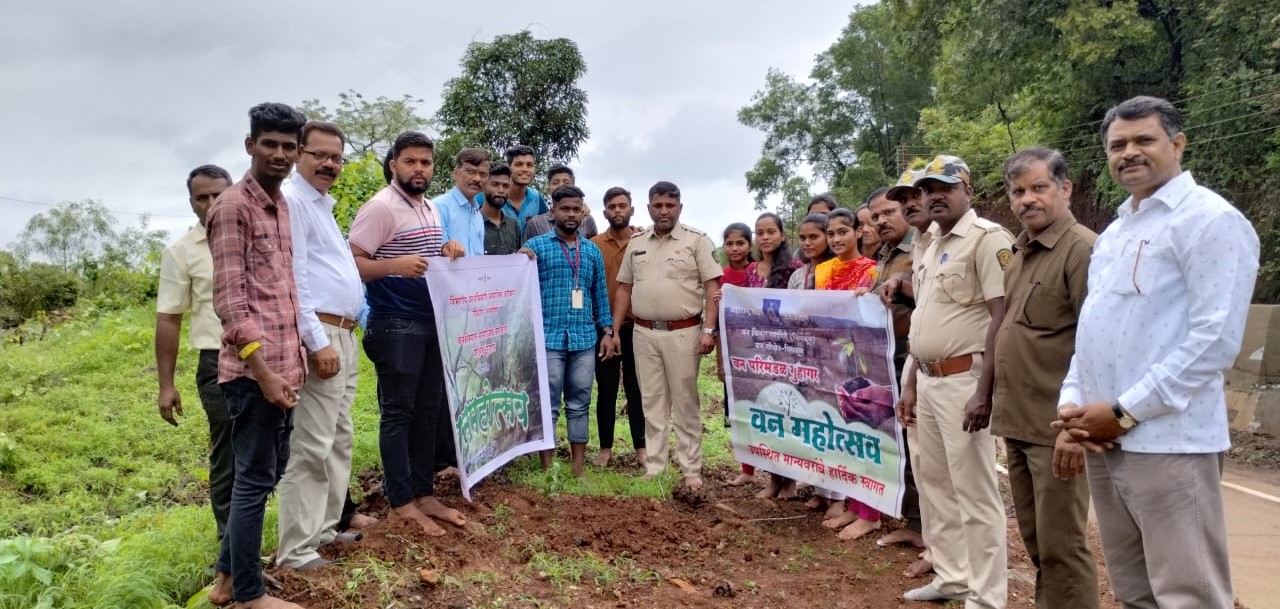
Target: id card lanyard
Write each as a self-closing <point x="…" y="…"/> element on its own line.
<point x="575" y="263"/>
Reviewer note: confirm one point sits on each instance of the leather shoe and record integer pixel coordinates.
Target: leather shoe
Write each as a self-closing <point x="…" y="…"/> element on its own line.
<point x="929" y="592"/>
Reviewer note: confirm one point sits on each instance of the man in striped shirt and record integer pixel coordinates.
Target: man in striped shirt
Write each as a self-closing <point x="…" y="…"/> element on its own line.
<point x="391" y="237"/>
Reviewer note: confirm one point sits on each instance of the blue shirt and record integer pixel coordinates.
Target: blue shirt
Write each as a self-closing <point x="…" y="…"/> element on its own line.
<point x="461" y="220"/>
<point x="567" y="328"/>
<point x="533" y="205"/>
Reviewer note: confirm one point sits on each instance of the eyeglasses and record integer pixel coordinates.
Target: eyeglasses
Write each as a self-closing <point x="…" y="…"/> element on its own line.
<point x="321" y="157"/>
<point x="1137" y="259"/>
<point x="474" y="173"/>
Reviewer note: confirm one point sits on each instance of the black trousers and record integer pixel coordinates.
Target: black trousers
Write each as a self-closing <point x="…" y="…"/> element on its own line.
<point x="608" y="373"/>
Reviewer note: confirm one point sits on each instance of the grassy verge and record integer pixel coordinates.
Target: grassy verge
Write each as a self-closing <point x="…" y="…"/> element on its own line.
<point x="103" y="504"/>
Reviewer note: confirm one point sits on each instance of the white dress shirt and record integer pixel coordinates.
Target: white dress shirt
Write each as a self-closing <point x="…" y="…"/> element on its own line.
<point x="1169" y="291"/>
<point x="323" y="267"/>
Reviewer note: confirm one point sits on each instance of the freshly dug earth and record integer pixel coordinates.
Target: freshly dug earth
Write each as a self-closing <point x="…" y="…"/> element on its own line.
<point x="718" y="548"/>
<point x="1255" y="450"/>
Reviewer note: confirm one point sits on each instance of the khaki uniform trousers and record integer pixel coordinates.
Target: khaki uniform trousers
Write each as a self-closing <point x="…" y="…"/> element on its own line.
<point x="964" y="521"/>
<point x="667" y="367"/>
<point x="1053" y="517"/>
<point x="1163" y="528"/>
<point x="314" y="487"/>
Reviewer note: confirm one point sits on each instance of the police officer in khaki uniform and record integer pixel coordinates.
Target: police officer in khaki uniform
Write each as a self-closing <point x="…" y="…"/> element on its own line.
<point x="959" y="292"/>
<point x="1045" y="286"/>
<point x="666" y="282"/>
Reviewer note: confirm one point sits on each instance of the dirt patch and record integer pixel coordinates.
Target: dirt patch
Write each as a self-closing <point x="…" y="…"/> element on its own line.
<point x="720" y="547"/>
<point x="1255" y="450"/>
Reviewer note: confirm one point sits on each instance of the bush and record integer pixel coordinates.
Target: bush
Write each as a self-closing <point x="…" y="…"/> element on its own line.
<point x="25" y="291"/>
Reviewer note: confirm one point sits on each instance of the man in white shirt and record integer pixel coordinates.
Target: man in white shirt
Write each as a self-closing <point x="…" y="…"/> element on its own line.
<point x="330" y="295"/>
<point x="1144" y="392"/>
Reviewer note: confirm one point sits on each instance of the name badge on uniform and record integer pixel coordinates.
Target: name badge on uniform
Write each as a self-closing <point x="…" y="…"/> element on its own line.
<point x="575" y="299"/>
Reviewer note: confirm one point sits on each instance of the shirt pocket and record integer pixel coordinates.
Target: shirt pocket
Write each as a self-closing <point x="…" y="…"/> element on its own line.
<point x="266" y="261"/>
<point x="681" y="265"/>
<point x="1047" y="308"/>
<point x="955" y="283"/>
<point x="1142" y="268"/>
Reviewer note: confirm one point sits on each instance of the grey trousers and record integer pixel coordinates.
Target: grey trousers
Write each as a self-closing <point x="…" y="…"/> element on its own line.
<point x="1163" y="527"/>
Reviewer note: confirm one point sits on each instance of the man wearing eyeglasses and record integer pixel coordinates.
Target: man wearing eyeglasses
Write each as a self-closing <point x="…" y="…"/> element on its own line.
<point x="330" y="295"/>
<point x="459" y="211"/>
<point x="1144" y="392"/>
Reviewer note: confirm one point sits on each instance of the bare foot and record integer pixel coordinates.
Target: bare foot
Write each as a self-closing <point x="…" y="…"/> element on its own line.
<point x="578" y="459"/>
<point x="835" y="510"/>
<point x="410" y="511"/>
<point x="788" y="490"/>
<point x="362" y="521"/>
<point x="918" y="568"/>
<point x="546" y="457"/>
<point x="742" y="480"/>
<point x="604" y="457"/>
<point x="859" y="528"/>
<point x="448" y="472"/>
<point x="816" y="503"/>
<point x="220" y="593"/>
<point x="770" y="490"/>
<point x="266" y="601"/>
<point x="641" y="456"/>
<point x="841" y="521"/>
<point x="693" y="482"/>
<point x="902" y="537"/>
<point x="433" y="508"/>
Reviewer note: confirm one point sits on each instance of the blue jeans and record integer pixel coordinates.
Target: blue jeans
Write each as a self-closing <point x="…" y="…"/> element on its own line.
<point x="260" y="440"/>
<point x="569" y="377"/>
<point x="406" y="355"/>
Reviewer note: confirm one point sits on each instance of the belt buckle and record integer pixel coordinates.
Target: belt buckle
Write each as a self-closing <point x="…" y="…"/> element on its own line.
<point x="931" y="368"/>
<point x="660" y="326"/>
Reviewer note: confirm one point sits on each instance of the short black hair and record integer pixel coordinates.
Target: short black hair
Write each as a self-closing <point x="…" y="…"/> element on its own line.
<point x="411" y="139"/>
<point x="615" y="191"/>
<point x="519" y="150"/>
<point x="566" y="192"/>
<point x="470" y="156"/>
<point x="1022" y="160"/>
<point x="500" y="169"/>
<point x="277" y="117"/>
<point x="664" y="188"/>
<point x="208" y="171"/>
<point x="1143" y="106"/>
<point x="881" y="191"/>
<point x="323" y="127"/>
<point x="386" y="166"/>
<point x="559" y="168"/>
<point x="823" y="198"/>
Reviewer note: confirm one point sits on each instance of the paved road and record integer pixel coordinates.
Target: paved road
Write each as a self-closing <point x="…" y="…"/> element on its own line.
<point x="1253" y="533"/>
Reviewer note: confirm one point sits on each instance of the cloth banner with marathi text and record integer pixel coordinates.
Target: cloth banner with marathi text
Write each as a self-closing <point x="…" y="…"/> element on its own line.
<point x="812" y="390"/>
<point x="488" y="313"/>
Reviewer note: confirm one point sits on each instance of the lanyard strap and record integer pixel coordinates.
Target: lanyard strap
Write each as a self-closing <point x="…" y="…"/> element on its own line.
<point x="574" y="261"/>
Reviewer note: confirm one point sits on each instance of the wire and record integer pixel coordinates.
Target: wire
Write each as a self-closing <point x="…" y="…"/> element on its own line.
<point x="114" y="211"/>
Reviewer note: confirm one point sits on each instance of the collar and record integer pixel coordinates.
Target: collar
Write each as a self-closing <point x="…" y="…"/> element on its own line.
<point x="456" y="194"/>
<point x="556" y="236"/>
<point x="307" y="192"/>
<point x="1050" y="236"/>
<point x="404" y="196"/>
<point x="962" y="227"/>
<point x="259" y="194"/>
<point x="905" y="245"/>
<point x="674" y="234"/>
<point x="503" y="218"/>
<point x="1171" y="194"/>
<point x="608" y="235"/>
<point x="200" y="233"/>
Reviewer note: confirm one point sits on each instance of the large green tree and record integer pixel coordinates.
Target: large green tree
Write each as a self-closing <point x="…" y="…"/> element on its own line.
<point x="370" y="125"/>
<point x="517" y="89"/>
<point x="68" y="234"/>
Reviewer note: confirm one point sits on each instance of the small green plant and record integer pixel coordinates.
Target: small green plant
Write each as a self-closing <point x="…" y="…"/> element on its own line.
<point x="561" y="570"/>
<point x="503" y="513"/>
<point x="806" y="552"/>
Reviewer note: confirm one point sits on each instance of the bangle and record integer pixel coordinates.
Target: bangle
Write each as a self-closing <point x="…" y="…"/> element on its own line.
<point x="249" y="349"/>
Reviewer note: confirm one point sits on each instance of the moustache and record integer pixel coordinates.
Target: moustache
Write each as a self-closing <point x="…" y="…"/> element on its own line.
<point x="326" y="172"/>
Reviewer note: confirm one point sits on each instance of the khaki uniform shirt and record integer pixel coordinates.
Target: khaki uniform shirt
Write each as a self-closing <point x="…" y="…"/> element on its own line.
<point x="1045" y="285"/>
<point x="667" y="273"/>
<point x="186" y="284"/>
<point x="954" y="278"/>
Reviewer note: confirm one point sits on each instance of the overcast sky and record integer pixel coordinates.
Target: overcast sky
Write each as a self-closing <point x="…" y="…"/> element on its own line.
<point x="118" y="100"/>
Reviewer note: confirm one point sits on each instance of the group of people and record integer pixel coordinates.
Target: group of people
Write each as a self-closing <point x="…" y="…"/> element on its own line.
<point x="1075" y="348"/>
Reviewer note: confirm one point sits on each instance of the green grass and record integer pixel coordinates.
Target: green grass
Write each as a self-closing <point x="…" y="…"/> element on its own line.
<point x="104" y="505"/>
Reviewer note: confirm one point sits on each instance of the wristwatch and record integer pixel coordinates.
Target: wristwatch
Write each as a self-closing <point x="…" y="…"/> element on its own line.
<point x="608" y="331"/>
<point x="711" y="332"/>
<point x="1127" y="421"/>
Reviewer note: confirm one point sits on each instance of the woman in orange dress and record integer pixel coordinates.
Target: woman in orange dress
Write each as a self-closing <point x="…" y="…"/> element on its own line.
<point x="849" y="270"/>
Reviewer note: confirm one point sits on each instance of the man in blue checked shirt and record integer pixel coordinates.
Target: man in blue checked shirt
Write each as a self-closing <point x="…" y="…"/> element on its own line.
<point x="574" y="303"/>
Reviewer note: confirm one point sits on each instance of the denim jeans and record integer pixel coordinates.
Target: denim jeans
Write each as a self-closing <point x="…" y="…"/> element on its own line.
<point x="260" y="440"/>
<point x="569" y="377"/>
<point x="222" y="459"/>
<point x="406" y="355"/>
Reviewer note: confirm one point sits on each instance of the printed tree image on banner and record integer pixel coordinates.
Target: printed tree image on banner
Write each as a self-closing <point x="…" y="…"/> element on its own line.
<point x="812" y="390"/>
<point x="489" y="314"/>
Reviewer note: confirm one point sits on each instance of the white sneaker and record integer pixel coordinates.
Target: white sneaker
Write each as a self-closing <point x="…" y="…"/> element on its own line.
<point x="929" y="592"/>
